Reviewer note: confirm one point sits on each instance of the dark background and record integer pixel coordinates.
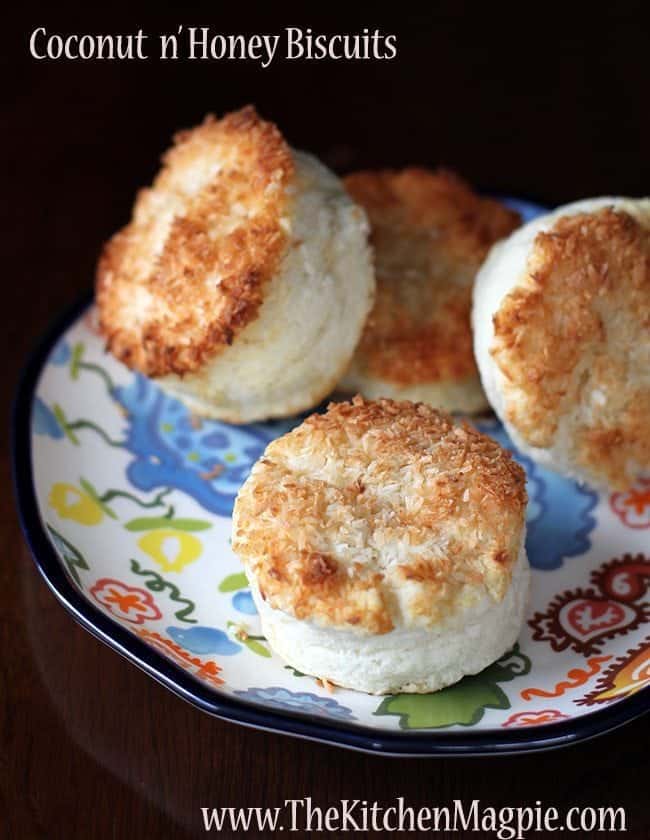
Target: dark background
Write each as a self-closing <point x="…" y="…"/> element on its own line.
<point x="549" y="103"/>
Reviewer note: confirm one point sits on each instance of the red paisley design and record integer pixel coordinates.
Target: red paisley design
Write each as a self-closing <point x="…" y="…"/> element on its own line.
<point x="584" y="619"/>
<point x="625" y="579"/>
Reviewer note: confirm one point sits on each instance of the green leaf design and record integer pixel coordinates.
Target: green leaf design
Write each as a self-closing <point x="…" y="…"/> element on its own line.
<point x="251" y="642"/>
<point x="512" y="664"/>
<point x="63" y="422"/>
<point x="462" y="704"/>
<point x="75" y="359"/>
<point x="150" y="523"/>
<point x="155" y="583"/>
<point x="94" y="495"/>
<point x="256" y="647"/>
<point x="74" y="559"/>
<point x="77" y="364"/>
<point x="234" y="582"/>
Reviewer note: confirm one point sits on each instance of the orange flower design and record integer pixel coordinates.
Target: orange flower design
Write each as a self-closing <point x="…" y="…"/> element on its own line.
<point x="208" y="671"/>
<point x="633" y="506"/>
<point x="128" y="603"/>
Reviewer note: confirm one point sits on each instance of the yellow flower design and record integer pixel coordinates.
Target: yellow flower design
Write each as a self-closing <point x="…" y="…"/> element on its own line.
<point x="170" y="548"/>
<point x="72" y="502"/>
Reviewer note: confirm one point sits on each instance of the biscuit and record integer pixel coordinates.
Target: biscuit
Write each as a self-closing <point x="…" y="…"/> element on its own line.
<point x="384" y="546"/>
<point x="562" y="338"/>
<point x="244" y="278"/>
<point x="430" y="233"/>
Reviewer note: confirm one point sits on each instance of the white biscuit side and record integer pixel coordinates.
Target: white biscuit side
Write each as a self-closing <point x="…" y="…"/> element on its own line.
<point x="291" y="356"/>
<point x="504" y="271"/>
<point x="408" y="660"/>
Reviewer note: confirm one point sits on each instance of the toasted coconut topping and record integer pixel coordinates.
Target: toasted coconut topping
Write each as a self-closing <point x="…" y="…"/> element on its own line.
<point x="380" y="514"/>
<point x="430" y="233"/>
<point x="572" y="341"/>
<point x="187" y="274"/>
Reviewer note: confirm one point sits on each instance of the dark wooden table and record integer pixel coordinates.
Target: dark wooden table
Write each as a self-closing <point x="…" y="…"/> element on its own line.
<point x="544" y="107"/>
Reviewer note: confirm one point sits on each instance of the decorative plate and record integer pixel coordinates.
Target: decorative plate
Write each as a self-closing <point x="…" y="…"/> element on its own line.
<point x="126" y="499"/>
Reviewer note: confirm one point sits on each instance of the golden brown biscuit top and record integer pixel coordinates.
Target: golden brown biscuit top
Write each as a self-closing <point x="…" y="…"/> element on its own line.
<point x="380" y="514"/>
<point x="178" y="283"/>
<point x="573" y="339"/>
<point x="430" y="234"/>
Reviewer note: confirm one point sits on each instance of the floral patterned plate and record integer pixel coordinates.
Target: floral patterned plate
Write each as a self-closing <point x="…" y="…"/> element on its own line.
<point x="125" y="500"/>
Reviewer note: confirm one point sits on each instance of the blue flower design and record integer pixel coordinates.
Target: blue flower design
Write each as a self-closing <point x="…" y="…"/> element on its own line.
<point x="204" y="640"/>
<point x="208" y="460"/>
<point x="61" y="354"/>
<point x="44" y="420"/>
<point x="301" y="701"/>
<point x="527" y="209"/>
<point x="559" y="516"/>
<point x="243" y="602"/>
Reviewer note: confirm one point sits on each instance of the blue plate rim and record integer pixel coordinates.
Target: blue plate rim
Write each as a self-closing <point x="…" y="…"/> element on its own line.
<point x="431" y="743"/>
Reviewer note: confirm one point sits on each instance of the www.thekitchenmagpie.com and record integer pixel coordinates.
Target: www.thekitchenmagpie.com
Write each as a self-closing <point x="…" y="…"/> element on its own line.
<point x="350" y="815"/>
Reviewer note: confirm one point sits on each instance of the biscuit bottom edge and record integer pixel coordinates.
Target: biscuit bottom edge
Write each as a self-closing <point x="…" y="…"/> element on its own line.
<point x="405" y="660"/>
